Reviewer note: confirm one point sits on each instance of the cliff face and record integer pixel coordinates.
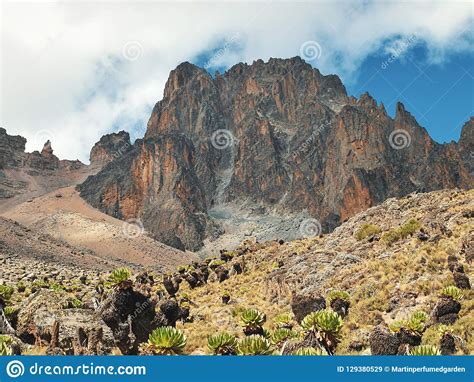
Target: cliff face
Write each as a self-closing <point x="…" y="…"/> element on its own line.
<point x="278" y="134"/>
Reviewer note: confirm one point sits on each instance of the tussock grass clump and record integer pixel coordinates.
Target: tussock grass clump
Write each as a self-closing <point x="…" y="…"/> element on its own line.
<point x="367" y="230"/>
<point x="402" y="232"/>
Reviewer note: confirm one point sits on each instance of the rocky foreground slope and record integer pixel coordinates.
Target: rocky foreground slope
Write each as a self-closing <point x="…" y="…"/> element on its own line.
<point x="389" y="280"/>
<point x="268" y="145"/>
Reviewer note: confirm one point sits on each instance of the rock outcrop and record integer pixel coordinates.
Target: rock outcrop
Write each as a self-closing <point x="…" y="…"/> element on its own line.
<point x="109" y="147"/>
<point x="279" y="135"/>
<point x="36" y="173"/>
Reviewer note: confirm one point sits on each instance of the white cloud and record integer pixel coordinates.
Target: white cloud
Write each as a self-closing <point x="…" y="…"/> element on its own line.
<point x="63" y="68"/>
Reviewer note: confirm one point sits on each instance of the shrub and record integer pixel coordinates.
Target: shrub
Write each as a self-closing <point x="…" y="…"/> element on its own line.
<point x="222" y="344"/>
<point x="332" y="295"/>
<point x="323" y="321"/>
<point x="5" y="345"/>
<point x="165" y="340"/>
<point x="252" y="321"/>
<point x="284" y="320"/>
<point x="367" y="230"/>
<point x="424" y="350"/>
<point x="254" y="345"/>
<point x="326" y="326"/>
<point x="119" y="276"/>
<point x="415" y="324"/>
<point x="6" y="292"/>
<point x="409" y="228"/>
<point x="453" y="292"/>
<point x="10" y="311"/>
<point x="216" y="263"/>
<point x="282" y="334"/>
<point x="405" y="230"/>
<point x="309" y="351"/>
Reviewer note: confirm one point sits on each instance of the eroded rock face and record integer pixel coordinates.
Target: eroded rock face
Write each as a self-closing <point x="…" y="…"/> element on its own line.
<point x="109" y="148"/>
<point x="280" y="134"/>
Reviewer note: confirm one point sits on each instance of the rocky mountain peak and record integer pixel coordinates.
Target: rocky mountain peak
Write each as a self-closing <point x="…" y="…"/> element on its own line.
<point x="109" y="147"/>
<point x="280" y="136"/>
<point x="402" y="116"/>
<point x="47" y="149"/>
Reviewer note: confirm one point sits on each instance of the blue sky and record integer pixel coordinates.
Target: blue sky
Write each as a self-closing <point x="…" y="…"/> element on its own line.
<point x="440" y="96"/>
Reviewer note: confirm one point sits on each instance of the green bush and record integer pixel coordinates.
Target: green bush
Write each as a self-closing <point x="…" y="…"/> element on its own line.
<point x="309" y="351"/>
<point x="326" y="325"/>
<point x="415" y="324"/>
<point x="282" y="334"/>
<point x="367" y="230"/>
<point x="332" y="295"/>
<point x="119" y="275"/>
<point x="424" y="350"/>
<point x="453" y="292"/>
<point x="252" y="319"/>
<point x="405" y="230"/>
<point x="254" y="345"/>
<point x="165" y="340"/>
<point x="284" y="320"/>
<point x="10" y="311"/>
<point x="222" y="344"/>
<point x="323" y="321"/>
<point x="6" y="292"/>
<point x="5" y="345"/>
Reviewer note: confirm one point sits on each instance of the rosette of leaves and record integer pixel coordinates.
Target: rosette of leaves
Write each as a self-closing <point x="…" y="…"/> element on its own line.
<point x="453" y="292"/>
<point x="326" y="325"/>
<point x="165" y="340"/>
<point x="5" y="345"/>
<point x="6" y="292"/>
<point x="284" y="320"/>
<point x="309" y="351"/>
<point x="120" y="277"/>
<point x="222" y="344"/>
<point x="280" y="335"/>
<point x="252" y="321"/>
<point x="340" y="294"/>
<point x="424" y="350"/>
<point x="254" y="345"/>
<point x="415" y="324"/>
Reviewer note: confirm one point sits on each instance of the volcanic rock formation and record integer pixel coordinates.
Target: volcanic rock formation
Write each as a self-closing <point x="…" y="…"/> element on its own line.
<point x="278" y="136"/>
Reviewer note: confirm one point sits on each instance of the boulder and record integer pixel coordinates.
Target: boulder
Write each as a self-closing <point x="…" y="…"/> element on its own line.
<point x="302" y="305"/>
<point x="383" y="342"/>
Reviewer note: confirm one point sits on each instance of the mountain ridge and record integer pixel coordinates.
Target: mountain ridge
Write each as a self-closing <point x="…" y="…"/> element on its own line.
<point x="279" y="134"/>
